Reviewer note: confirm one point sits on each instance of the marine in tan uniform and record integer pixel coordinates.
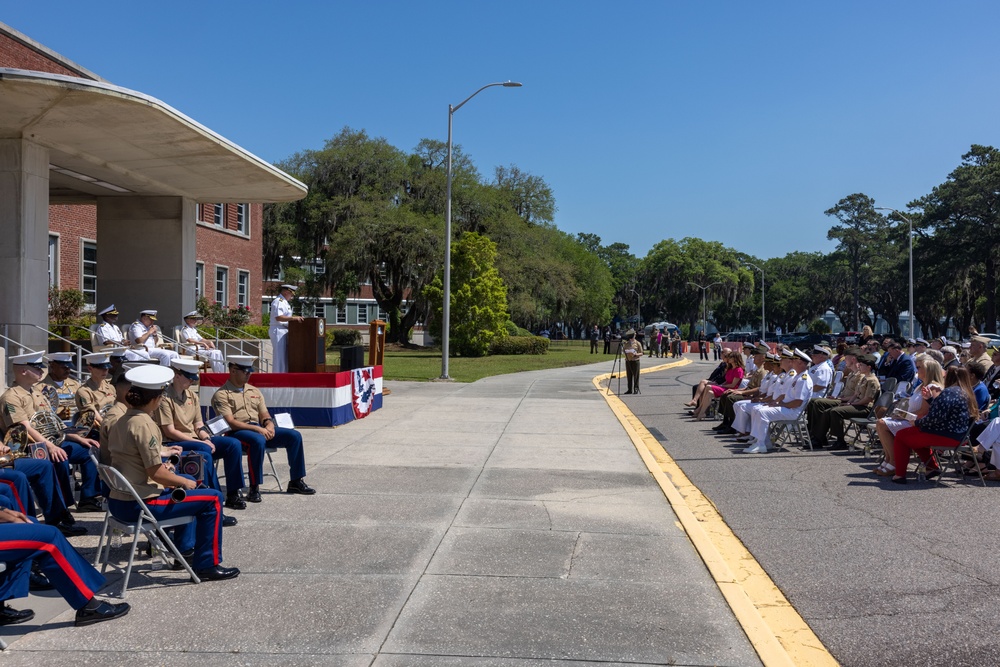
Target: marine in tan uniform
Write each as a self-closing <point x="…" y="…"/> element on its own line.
<point x="135" y="443"/>
<point x="242" y="405"/>
<point x="97" y="393"/>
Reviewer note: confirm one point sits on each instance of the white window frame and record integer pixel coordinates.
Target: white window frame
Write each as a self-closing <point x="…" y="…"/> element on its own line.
<point x="224" y="301"/>
<point x="340" y="317"/>
<point x="362" y="320"/>
<point x="54" y="248"/>
<point x="243" y="276"/>
<point x="242" y="218"/>
<point x="199" y="280"/>
<point x="83" y="274"/>
<point x="219" y="215"/>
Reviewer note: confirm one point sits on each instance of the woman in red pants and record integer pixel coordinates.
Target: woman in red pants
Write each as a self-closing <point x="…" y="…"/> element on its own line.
<point x="951" y="411"/>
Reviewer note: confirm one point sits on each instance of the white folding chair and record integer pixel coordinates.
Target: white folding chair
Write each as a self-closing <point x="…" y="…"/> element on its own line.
<point x="145" y="524"/>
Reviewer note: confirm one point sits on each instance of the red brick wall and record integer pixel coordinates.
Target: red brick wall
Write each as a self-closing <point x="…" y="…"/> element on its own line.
<point x="15" y="54"/>
<point x="216" y="248"/>
<point x="73" y="222"/>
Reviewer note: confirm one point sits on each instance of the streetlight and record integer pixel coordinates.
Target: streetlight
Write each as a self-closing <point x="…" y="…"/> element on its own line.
<point x="763" y="324"/>
<point x="704" y="305"/>
<point x="446" y="314"/>
<point x="638" y="314"/>
<point x="910" y="234"/>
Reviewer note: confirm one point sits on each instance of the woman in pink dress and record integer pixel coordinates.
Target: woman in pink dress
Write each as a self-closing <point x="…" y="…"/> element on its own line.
<point x="734" y="375"/>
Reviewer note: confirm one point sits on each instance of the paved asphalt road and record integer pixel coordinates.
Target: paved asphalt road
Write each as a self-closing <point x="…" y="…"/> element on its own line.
<point x="505" y="523"/>
<point x="884" y="574"/>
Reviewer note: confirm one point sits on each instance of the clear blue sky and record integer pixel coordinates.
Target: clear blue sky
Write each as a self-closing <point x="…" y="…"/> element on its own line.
<point x="733" y="121"/>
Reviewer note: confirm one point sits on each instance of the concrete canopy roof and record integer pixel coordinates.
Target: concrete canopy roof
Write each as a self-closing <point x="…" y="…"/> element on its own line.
<point x="105" y="140"/>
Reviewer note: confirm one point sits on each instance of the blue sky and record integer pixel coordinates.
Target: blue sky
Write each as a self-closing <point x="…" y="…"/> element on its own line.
<point x="732" y="121"/>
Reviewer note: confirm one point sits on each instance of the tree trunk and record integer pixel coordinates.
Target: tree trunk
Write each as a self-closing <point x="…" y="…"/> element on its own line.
<point x="990" y="284"/>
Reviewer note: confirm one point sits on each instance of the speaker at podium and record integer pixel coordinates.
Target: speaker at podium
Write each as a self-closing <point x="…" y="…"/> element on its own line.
<point x="307" y="345"/>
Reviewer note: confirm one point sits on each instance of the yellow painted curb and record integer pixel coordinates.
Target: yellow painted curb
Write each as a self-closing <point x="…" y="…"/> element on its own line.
<point x="777" y="631"/>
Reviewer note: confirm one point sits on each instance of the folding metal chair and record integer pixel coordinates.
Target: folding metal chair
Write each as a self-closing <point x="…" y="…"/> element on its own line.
<point x="794" y="431"/>
<point x="146" y="524"/>
<point x="952" y="456"/>
<point x="274" y="471"/>
<point x="865" y="426"/>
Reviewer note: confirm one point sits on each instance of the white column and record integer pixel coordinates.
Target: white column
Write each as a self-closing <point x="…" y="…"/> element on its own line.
<point x="24" y="248"/>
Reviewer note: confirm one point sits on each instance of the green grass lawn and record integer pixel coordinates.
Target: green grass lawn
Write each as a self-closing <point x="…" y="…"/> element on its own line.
<point x="425" y="364"/>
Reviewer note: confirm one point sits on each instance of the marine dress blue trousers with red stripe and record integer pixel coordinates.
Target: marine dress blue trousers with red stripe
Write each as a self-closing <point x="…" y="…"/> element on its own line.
<point x="69" y="572"/>
<point x="41" y="476"/>
<point x="16" y="484"/>
<point x="255" y="444"/>
<point x="205" y="505"/>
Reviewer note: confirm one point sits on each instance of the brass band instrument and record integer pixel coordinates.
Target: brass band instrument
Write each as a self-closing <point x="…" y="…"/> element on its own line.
<point x="19" y="446"/>
<point x="84" y="420"/>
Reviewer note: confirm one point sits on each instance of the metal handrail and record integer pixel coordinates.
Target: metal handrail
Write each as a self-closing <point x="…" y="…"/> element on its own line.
<point x="80" y="350"/>
<point x="221" y="343"/>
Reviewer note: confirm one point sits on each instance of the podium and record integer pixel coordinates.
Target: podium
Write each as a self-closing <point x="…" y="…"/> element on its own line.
<point x="307" y="345"/>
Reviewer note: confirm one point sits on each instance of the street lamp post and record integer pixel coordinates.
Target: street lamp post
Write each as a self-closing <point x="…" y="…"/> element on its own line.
<point x="638" y="307"/>
<point x="446" y="314"/>
<point x="763" y="321"/>
<point x="910" y="234"/>
<point x="704" y="305"/>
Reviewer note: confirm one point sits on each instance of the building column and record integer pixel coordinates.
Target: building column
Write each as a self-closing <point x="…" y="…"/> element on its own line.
<point x="24" y="248"/>
<point x="146" y="257"/>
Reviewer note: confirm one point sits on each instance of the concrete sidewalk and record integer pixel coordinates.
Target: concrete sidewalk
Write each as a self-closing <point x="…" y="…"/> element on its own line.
<point x="507" y="522"/>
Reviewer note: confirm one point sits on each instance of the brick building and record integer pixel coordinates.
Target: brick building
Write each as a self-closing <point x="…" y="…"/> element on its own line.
<point x="167" y="240"/>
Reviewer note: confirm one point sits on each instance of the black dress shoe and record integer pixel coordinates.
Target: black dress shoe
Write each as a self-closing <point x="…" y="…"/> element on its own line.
<point x="103" y="612"/>
<point x="299" y="486"/>
<point x="11" y="616"/>
<point x="254" y="495"/>
<point x="92" y="504"/>
<point x="228" y="521"/>
<point x="69" y="530"/>
<point x="629" y="391"/>
<point x="835" y="446"/>
<point x="39" y="582"/>
<point x="218" y="573"/>
<point x="234" y="501"/>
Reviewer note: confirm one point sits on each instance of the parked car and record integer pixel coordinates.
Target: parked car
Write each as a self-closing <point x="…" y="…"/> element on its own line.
<point x="806" y="341"/>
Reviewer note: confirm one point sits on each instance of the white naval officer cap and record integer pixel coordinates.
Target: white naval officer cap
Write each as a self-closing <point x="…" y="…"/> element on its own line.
<point x="28" y="359"/>
<point x="148" y="376"/>
<point x="98" y="359"/>
<point x="115" y="352"/>
<point x="60" y="358"/>
<point x="189" y="366"/>
<point x="803" y="356"/>
<point x="195" y="314"/>
<point x="241" y="361"/>
<point x="110" y="310"/>
<point x="150" y="313"/>
<point x="291" y="287"/>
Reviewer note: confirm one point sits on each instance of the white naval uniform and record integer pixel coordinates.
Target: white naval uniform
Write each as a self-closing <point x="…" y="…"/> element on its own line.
<point x="797" y="388"/>
<point x="214" y="356"/>
<point x="110" y="334"/>
<point x="743" y="409"/>
<point x="822" y="376"/>
<point x="279" y="335"/>
<point x="137" y="331"/>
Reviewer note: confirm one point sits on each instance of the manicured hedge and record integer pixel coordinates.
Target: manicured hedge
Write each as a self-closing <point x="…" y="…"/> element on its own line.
<point x="520" y="345"/>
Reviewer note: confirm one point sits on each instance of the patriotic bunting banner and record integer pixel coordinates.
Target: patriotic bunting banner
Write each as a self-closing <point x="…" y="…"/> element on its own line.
<point x="312" y="399"/>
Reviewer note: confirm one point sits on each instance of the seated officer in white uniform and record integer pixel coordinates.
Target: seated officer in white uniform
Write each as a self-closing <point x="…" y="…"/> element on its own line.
<point x="109" y="334"/>
<point x="797" y="392"/>
<point x="196" y="343"/>
<point x="144" y="333"/>
<point x="281" y="315"/>
<point x="821" y="370"/>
